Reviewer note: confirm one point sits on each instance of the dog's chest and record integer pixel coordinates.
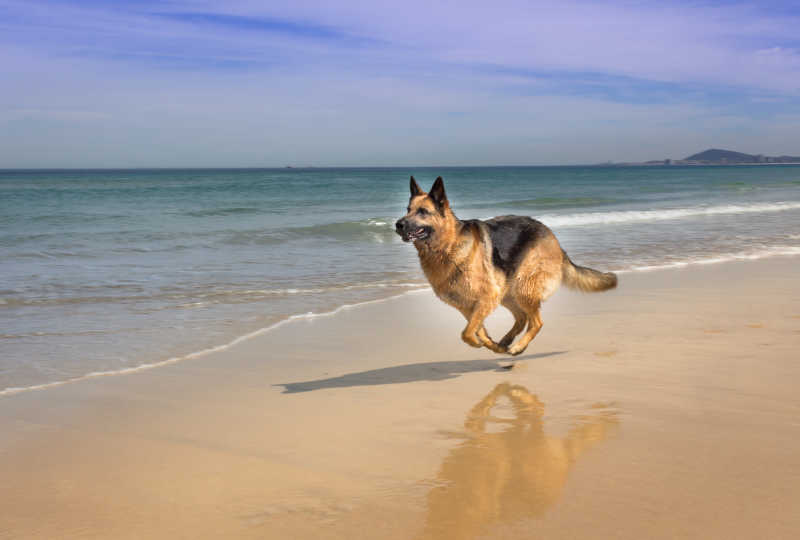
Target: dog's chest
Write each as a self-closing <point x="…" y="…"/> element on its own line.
<point x="452" y="284"/>
<point x="453" y="297"/>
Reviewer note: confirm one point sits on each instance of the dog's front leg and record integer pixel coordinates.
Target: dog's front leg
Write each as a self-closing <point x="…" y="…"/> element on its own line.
<point x="489" y="343"/>
<point x="470" y="339"/>
<point x="474" y="334"/>
<point x="475" y="317"/>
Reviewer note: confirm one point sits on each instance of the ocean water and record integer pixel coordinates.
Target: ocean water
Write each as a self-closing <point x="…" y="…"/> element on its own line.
<point x="107" y="271"/>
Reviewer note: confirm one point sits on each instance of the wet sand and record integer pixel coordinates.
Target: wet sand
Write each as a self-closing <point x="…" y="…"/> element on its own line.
<point x="665" y="409"/>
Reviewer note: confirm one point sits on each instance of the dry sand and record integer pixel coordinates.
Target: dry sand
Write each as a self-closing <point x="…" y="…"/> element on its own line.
<point x="666" y="409"/>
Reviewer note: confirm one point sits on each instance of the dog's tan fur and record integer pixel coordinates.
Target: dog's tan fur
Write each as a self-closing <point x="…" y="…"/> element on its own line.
<point x="461" y="264"/>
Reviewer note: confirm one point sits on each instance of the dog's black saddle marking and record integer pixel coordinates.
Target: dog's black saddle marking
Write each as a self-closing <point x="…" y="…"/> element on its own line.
<point x="511" y="237"/>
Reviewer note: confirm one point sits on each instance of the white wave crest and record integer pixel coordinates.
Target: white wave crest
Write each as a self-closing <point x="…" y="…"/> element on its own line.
<point x="775" y="251"/>
<point x="603" y="218"/>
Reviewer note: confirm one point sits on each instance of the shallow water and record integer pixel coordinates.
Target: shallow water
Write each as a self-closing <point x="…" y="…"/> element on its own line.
<point x="108" y="270"/>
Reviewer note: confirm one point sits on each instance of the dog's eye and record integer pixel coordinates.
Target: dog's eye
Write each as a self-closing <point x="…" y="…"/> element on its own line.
<point x="422" y="212"/>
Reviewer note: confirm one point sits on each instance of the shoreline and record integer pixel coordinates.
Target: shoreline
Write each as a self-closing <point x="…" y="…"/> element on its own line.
<point x="679" y="265"/>
<point x="10" y="391"/>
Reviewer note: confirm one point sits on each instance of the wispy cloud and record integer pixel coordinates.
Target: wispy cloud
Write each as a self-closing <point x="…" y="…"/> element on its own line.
<point x="253" y="83"/>
<point x="215" y="21"/>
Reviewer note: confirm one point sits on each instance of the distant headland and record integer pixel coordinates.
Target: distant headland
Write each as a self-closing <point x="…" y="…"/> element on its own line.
<point x="715" y="156"/>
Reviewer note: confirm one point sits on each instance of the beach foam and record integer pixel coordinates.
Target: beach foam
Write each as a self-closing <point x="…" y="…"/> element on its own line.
<point x="630" y="216"/>
<point x="751" y="255"/>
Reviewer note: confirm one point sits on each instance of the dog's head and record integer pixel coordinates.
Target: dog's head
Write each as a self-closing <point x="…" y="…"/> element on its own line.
<point x="427" y="213"/>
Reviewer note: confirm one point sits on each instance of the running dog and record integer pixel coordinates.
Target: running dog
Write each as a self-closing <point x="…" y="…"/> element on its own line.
<point x="476" y="265"/>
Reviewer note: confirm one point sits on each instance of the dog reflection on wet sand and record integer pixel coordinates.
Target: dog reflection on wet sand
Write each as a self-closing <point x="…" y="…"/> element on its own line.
<point x="508" y="469"/>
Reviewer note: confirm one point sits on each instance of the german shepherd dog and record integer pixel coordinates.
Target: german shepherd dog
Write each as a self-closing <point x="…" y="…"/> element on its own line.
<point x="476" y="265"/>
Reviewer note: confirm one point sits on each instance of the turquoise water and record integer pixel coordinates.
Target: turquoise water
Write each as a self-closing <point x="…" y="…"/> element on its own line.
<point x="102" y="271"/>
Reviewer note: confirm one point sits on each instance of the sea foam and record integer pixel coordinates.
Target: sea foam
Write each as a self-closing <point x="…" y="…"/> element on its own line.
<point x="629" y="216"/>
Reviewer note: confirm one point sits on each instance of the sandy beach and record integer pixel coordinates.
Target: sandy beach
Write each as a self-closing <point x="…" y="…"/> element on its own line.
<point x="665" y="409"/>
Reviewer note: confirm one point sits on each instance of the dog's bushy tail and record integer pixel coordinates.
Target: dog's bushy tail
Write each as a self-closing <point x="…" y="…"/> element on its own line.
<point x="586" y="279"/>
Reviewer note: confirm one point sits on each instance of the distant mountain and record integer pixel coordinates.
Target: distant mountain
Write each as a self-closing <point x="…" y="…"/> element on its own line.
<point x="715" y="156"/>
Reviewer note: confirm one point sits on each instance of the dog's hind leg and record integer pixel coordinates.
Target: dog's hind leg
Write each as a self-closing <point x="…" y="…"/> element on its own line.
<point x="520" y="320"/>
<point x="534" y="325"/>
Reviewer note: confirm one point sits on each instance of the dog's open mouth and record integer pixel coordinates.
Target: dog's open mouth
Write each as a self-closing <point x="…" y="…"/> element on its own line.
<point x="420" y="233"/>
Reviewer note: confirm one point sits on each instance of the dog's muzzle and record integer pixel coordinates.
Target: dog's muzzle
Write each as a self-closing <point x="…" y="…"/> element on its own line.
<point x="409" y="231"/>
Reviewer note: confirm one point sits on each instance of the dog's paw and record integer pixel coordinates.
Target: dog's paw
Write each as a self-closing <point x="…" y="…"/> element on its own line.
<point x="516" y="350"/>
<point x="499" y="348"/>
<point x="471" y="340"/>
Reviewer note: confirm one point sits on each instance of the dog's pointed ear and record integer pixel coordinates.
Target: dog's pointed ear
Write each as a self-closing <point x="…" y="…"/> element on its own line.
<point x="415" y="190"/>
<point x="437" y="193"/>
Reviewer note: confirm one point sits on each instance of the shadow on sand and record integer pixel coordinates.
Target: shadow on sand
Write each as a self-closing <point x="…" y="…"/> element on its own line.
<point x="430" y="371"/>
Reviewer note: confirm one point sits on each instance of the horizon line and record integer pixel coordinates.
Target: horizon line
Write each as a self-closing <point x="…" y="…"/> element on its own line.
<point x="308" y="167"/>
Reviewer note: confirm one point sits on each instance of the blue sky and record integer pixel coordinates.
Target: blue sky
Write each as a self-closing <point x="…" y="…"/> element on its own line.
<point x="242" y="83"/>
